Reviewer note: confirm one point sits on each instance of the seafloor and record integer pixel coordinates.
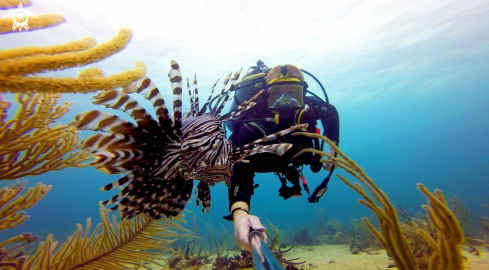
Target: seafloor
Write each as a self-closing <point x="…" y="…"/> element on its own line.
<point x="339" y="257"/>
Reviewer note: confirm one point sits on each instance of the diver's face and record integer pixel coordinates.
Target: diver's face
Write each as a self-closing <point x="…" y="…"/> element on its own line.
<point x="285" y="95"/>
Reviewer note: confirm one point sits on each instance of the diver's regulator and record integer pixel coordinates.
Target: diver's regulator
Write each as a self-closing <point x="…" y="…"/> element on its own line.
<point x="299" y="116"/>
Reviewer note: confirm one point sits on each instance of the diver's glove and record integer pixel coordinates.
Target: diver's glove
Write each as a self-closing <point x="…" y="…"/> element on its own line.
<point x="328" y="166"/>
<point x="244" y="223"/>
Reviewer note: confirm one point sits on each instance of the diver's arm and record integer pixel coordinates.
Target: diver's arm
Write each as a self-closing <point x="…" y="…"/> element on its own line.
<point x="239" y="200"/>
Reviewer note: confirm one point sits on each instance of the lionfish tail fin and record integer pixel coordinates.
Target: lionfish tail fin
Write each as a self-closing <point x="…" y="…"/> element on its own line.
<point x="175" y="76"/>
<point x="277" y="149"/>
<point x="204" y="196"/>
<point x="206" y="104"/>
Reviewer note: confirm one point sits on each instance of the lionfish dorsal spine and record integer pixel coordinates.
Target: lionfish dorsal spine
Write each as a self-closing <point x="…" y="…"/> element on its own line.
<point x="149" y="91"/>
<point x="221" y="95"/>
<point x="196" y="96"/>
<point x="228" y="92"/>
<point x="191" y="97"/>
<point x="116" y="161"/>
<point x="206" y="104"/>
<point x="175" y="76"/>
<point x="103" y="121"/>
<point x="107" y="142"/>
<point x="242" y="108"/>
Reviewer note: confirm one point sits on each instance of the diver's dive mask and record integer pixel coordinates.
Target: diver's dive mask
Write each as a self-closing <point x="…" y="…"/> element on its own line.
<point x="286" y="87"/>
<point x="286" y="95"/>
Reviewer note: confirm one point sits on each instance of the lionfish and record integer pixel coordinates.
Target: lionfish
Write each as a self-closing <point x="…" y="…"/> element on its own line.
<point x="164" y="156"/>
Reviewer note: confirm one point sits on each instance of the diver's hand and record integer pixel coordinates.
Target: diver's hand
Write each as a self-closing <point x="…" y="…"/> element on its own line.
<point x="327" y="167"/>
<point x="243" y="225"/>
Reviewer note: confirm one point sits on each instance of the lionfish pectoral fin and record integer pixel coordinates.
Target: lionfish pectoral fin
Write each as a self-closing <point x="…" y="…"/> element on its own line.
<point x="149" y="91"/>
<point x="274" y="136"/>
<point x="121" y="101"/>
<point x="103" y="121"/>
<point x="278" y="149"/>
<point x="153" y="196"/>
<point x="204" y="196"/>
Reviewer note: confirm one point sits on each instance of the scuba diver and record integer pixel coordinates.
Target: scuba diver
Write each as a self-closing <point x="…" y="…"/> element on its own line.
<point x="282" y="105"/>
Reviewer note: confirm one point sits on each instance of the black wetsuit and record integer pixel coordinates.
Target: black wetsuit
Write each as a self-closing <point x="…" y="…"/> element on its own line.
<point x="242" y="184"/>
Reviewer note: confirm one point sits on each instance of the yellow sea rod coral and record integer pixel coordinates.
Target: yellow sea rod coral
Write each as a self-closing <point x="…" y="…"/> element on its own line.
<point x="13" y="3"/>
<point x="18" y="65"/>
<point x="29" y="142"/>
<point x="42" y="21"/>
<point x="446" y="243"/>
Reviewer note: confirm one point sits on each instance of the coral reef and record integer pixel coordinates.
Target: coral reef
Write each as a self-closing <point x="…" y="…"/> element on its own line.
<point x="30" y="144"/>
<point x="361" y="239"/>
<point x="304" y="237"/>
<point x="277" y="235"/>
<point x="445" y="246"/>
<point x="460" y="211"/>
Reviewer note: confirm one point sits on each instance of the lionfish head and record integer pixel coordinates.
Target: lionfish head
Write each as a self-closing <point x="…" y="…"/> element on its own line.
<point x="206" y="151"/>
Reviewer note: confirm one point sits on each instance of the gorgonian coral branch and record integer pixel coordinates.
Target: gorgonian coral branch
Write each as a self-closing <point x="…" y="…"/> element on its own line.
<point x="31" y="145"/>
<point x="11" y="203"/>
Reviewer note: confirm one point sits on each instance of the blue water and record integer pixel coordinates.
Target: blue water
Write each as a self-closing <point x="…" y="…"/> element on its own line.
<point x="409" y="79"/>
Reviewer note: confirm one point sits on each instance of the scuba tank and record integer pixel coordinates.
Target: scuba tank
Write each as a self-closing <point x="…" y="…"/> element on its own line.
<point x="250" y="85"/>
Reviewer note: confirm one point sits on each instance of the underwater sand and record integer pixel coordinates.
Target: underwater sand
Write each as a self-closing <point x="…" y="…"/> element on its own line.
<point x="336" y="257"/>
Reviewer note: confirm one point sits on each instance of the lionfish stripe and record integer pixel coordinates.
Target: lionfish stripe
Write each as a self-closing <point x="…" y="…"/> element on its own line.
<point x="204" y="108"/>
<point x="149" y="91"/>
<point x="221" y="95"/>
<point x="274" y="136"/>
<point x="242" y="108"/>
<point x="277" y="149"/>
<point x="175" y="76"/>
<point x="118" y="182"/>
<point x="107" y="142"/>
<point x="191" y="110"/>
<point x="103" y="121"/>
<point x="123" y="102"/>
<point x="170" y="161"/>
<point x="117" y="161"/>
<point x="196" y="96"/>
<point x="228" y="93"/>
<point x="204" y="196"/>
